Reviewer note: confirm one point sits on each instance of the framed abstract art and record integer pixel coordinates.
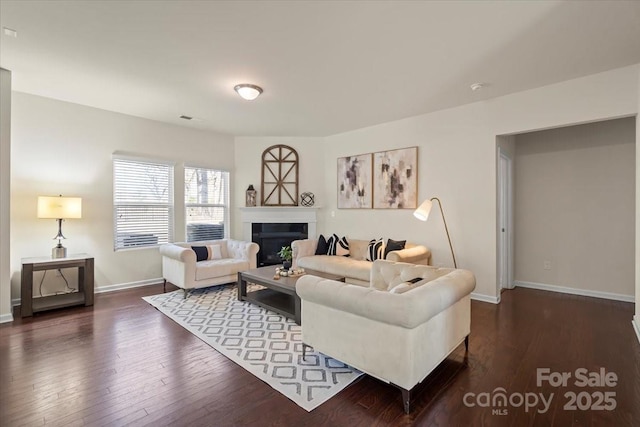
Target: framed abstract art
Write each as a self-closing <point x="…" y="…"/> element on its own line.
<point x="395" y="179"/>
<point x="355" y="182"/>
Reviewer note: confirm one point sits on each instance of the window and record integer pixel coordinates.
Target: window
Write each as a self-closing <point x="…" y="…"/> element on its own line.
<point x="142" y="203"/>
<point x="206" y="200"/>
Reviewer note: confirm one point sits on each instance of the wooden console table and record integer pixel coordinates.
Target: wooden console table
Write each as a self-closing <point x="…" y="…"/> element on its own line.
<point x="84" y="296"/>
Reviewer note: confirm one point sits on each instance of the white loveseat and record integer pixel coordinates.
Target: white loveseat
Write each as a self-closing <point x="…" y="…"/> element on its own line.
<point x="179" y="265"/>
<point x="354" y="268"/>
<point x="396" y="337"/>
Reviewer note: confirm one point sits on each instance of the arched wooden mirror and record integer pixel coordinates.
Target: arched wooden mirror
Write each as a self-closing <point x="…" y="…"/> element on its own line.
<point x="279" y="176"/>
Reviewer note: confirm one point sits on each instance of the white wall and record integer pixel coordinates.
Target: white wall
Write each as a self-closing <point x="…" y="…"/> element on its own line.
<point x="5" y="195"/>
<point x="64" y="148"/>
<point x="248" y="165"/>
<point x="575" y="207"/>
<point x="457" y="162"/>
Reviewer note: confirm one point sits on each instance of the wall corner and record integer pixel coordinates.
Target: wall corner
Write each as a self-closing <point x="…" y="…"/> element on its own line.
<point x="637" y="257"/>
<point x="5" y="195"/>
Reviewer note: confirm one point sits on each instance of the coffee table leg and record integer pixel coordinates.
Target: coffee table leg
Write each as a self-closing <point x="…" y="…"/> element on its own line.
<point x="242" y="287"/>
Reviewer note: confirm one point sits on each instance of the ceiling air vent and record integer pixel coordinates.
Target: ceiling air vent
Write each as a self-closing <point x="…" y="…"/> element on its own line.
<point x="9" y="32"/>
<point x="186" y="117"/>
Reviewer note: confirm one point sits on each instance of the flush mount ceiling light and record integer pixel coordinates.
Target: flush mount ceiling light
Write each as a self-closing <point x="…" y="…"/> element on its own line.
<point x="477" y="86"/>
<point x="248" y="91"/>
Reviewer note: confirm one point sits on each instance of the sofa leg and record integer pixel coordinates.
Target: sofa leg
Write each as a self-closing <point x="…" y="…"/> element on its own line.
<point x="406" y="400"/>
<point x="186" y="292"/>
<point x="164" y="286"/>
<point x="466" y="343"/>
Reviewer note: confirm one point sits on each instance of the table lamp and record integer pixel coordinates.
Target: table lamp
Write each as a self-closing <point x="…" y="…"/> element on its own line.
<point x="59" y="208"/>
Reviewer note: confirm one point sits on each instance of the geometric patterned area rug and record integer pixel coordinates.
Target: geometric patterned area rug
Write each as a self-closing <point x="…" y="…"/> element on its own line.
<point x="264" y="343"/>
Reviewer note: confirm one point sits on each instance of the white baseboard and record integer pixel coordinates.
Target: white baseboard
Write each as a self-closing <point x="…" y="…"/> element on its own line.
<point x="574" y="291"/>
<point x="105" y="289"/>
<point x="6" y="318"/>
<point x="636" y="325"/>
<point x="129" y="285"/>
<point x="485" y="298"/>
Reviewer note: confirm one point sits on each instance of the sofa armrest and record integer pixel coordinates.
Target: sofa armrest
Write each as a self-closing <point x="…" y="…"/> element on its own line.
<point x="415" y="255"/>
<point x="186" y="255"/>
<point x="243" y="250"/>
<point x="407" y="310"/>
<point x="302" y="248"/>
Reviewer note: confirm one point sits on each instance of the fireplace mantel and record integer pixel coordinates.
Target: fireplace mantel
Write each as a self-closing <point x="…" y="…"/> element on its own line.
<point x="287" y="214"/>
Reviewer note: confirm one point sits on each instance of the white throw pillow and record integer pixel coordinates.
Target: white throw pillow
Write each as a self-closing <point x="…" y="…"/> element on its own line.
<point x="401" y="288"/>
<point x="215" y="252"/>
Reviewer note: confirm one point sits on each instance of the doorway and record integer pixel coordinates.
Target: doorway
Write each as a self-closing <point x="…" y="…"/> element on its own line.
<point x="505" y="220"/>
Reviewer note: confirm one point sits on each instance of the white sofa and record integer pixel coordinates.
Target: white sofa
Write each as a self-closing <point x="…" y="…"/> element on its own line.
<point x="180" y="268"/>
<point x="396" y="337"/>
<point x="354" y="268"/>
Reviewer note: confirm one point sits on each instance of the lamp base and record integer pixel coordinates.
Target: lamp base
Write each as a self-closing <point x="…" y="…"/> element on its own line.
<point x="59" y="252"/>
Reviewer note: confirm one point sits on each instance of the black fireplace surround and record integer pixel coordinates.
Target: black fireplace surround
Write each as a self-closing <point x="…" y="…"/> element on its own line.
<point x="272" y="236"/>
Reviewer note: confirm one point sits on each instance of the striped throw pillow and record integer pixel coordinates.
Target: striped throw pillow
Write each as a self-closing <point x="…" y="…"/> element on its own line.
<point x="338" y="246"/>
<point x="375" y="249"/>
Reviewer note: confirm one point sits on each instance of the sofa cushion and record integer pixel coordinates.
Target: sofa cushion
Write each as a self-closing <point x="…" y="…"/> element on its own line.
<point x="222" y="242"/>
<point x="408" y="285"/>
<point x="340" y="266"/>
<point x="394" y="245"/>
<point x="401" y="288"/>
<point x="358" y="249"/>
<point x="220" y="267"/>
<point x="387" y="275"/>
<point x="322" y="248"/>
<point x="215" y="252"/>
<point x="224" y="251"/>
<point x="375" y="249"/>
<point x="338" y="246"/>
<point x="202" y="253"/>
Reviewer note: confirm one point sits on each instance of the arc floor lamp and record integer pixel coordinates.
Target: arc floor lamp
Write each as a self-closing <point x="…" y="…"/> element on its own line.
<point x="422" y="213"/>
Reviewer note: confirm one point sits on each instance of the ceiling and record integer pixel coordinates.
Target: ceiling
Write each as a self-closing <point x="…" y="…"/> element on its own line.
<point x="325" y="66"/>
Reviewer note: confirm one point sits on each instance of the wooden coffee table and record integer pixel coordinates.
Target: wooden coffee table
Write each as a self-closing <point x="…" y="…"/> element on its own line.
<point x="280" y="295"/>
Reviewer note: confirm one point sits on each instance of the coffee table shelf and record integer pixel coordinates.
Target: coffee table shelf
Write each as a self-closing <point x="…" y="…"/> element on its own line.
<point x="272" y="300"/>
<point x="280" y="295"/>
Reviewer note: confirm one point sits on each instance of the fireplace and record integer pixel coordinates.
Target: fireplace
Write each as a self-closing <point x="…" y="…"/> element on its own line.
<point x="276" y="226"/>
<point x="271" y="237"/>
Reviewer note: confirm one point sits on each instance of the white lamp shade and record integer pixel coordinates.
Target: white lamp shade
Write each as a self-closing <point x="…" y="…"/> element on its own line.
<point x="59" y="207"/>
<point x="422" y="213"/>
<point x="248" y="91"/>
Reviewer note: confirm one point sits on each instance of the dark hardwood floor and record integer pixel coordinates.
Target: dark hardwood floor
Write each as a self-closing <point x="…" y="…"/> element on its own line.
<point x="121" y="362"/>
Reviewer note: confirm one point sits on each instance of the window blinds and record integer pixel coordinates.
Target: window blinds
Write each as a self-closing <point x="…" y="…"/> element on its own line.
<point x="206" y="196"/>
<point x="143" y="203"/>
